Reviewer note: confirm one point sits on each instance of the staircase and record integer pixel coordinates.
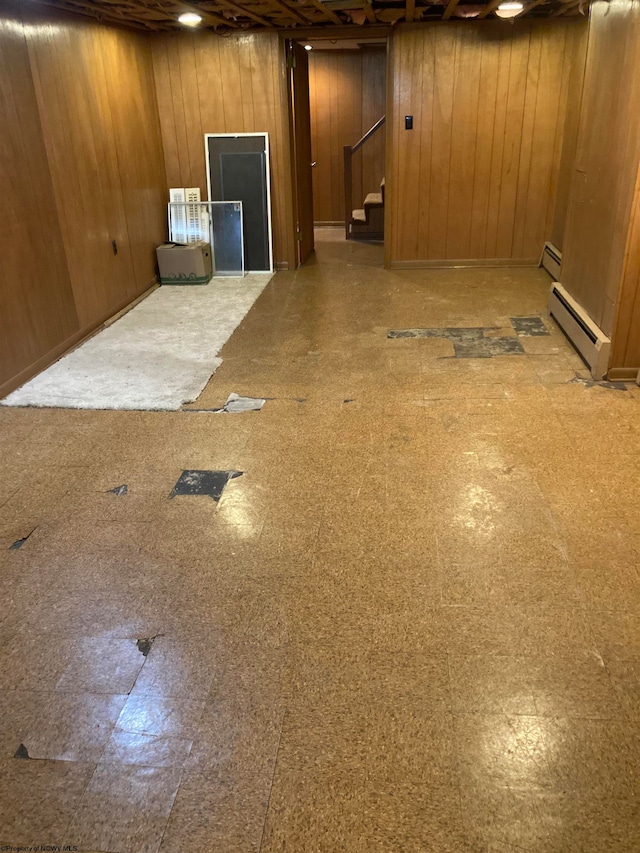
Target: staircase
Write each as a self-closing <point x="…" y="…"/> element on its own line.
<point x="368" y="222"/>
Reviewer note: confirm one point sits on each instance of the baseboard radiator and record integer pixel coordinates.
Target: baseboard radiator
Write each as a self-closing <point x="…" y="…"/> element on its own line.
<point x="551" y="260"/>
<point x="592" y="344"/>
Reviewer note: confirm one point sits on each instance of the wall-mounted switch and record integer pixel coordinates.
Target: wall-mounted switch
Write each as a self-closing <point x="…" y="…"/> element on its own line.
<point x="408" y="122"/>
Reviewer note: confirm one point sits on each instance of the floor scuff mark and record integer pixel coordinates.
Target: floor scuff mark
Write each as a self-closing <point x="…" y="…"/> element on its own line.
<point x="205" y="483"/>
<point x="467" y="343"/>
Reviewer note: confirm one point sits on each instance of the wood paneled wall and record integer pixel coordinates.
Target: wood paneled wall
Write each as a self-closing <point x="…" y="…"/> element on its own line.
<point x="626" y="338"/>
<point x="37" y="311"/>
<point x="477" y="177"/>
<point x="209" y="84"/>
<point x="348" y="96"/>
<point x="82" y="165"/>
<point x="606" y="162"/>
<point x="576" y="56"/>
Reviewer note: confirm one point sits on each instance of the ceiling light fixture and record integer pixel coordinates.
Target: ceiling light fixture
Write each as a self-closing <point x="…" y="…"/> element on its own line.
<point x="190" y="19"/>
<point x="308" y="47"/>
<point x="509" y="10"/>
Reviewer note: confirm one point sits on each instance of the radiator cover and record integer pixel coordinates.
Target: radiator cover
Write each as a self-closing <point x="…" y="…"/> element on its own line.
<point x="551" y="260"/>
<point x="590" y="341"/>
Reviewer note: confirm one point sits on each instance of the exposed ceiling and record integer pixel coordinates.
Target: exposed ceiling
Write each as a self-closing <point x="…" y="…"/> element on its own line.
<point x="225" y="16"/>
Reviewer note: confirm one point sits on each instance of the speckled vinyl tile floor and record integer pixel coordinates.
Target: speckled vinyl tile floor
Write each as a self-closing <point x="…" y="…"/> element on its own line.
<point x="411" y="623"/>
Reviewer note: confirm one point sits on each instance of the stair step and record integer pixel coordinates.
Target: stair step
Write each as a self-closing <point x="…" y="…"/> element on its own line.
<point x="373" y="200"/>
<point x="359" y="216"/>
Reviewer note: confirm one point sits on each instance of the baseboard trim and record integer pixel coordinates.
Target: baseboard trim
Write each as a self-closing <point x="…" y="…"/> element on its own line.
<point x="282" y="266"/>
<point x="72" y="342"/>
<point x="329" y="224"/>
<point x="464" y="263"/>
<point x="623" y="374"/>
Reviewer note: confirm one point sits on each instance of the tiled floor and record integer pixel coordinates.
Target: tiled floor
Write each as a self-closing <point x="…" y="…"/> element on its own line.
<point x="411" y="626"/>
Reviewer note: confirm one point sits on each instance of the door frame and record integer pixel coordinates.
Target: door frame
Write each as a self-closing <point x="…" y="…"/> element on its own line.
<point x="341" y="35"/>
<point x="289" y="49"/>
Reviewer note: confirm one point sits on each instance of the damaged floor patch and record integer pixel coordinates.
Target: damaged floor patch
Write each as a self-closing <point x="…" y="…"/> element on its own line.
<point x="236" y="403"/>
<point x="467" y="343"/>
<point x="15" y="546"/>
<point x="144" y="645"/>
<point x="595" y="383"/>
<point x="119" y="490"/>
<point x="529" y="327"/>
<point x="208" y="483"/>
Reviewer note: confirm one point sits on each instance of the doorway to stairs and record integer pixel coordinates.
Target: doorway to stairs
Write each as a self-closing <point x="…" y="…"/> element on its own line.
<point x="343" y="162"/>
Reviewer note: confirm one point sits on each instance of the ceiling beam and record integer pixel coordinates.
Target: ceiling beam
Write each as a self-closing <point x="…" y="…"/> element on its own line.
<point x="489" y="8"/>
<point x="566" y="7"/>
<point x="329" y="13"/>
<point x="368" y="10"/>
<point x="448" y="12"/>
<point x="529" y="6"/>
<point x="330" y="32"/>
<point x="100" y="13"/>
<point x="292" y="13"/>
<point x="410" y="11"/>
<point x="242" y="10"/>
<point x="209" y="18"/>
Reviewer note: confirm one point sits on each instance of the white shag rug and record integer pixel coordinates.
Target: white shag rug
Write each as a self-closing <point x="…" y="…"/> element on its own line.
<point x="158" y="356"/>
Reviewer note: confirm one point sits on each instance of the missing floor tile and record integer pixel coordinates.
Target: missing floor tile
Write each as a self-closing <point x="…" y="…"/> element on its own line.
<point x="471" y="342"/>
<point x="22" y="752"/>
<point x="205" y="483"/>
<point x="119" y="490"/>
<point x="529" y="327"/>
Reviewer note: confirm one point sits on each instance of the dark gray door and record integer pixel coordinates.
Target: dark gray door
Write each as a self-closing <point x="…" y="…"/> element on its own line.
<point x="238" y="172"/>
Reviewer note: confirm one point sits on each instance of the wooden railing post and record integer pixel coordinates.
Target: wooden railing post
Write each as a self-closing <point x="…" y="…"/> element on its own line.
<point x="348" y="189"/>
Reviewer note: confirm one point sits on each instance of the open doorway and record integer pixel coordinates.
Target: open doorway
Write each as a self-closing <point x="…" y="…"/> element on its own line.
<point x="344" y="160"/>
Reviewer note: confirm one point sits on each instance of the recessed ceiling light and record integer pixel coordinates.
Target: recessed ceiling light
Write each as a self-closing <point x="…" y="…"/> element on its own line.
<point x="509" y="10"/>
<point x="308" y="47"/>
<point x="190" y="19"/>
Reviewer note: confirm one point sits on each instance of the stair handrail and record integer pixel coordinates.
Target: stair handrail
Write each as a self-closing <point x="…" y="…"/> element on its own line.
<point x="348" y="152"/>
<point x="368" y="134"/>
